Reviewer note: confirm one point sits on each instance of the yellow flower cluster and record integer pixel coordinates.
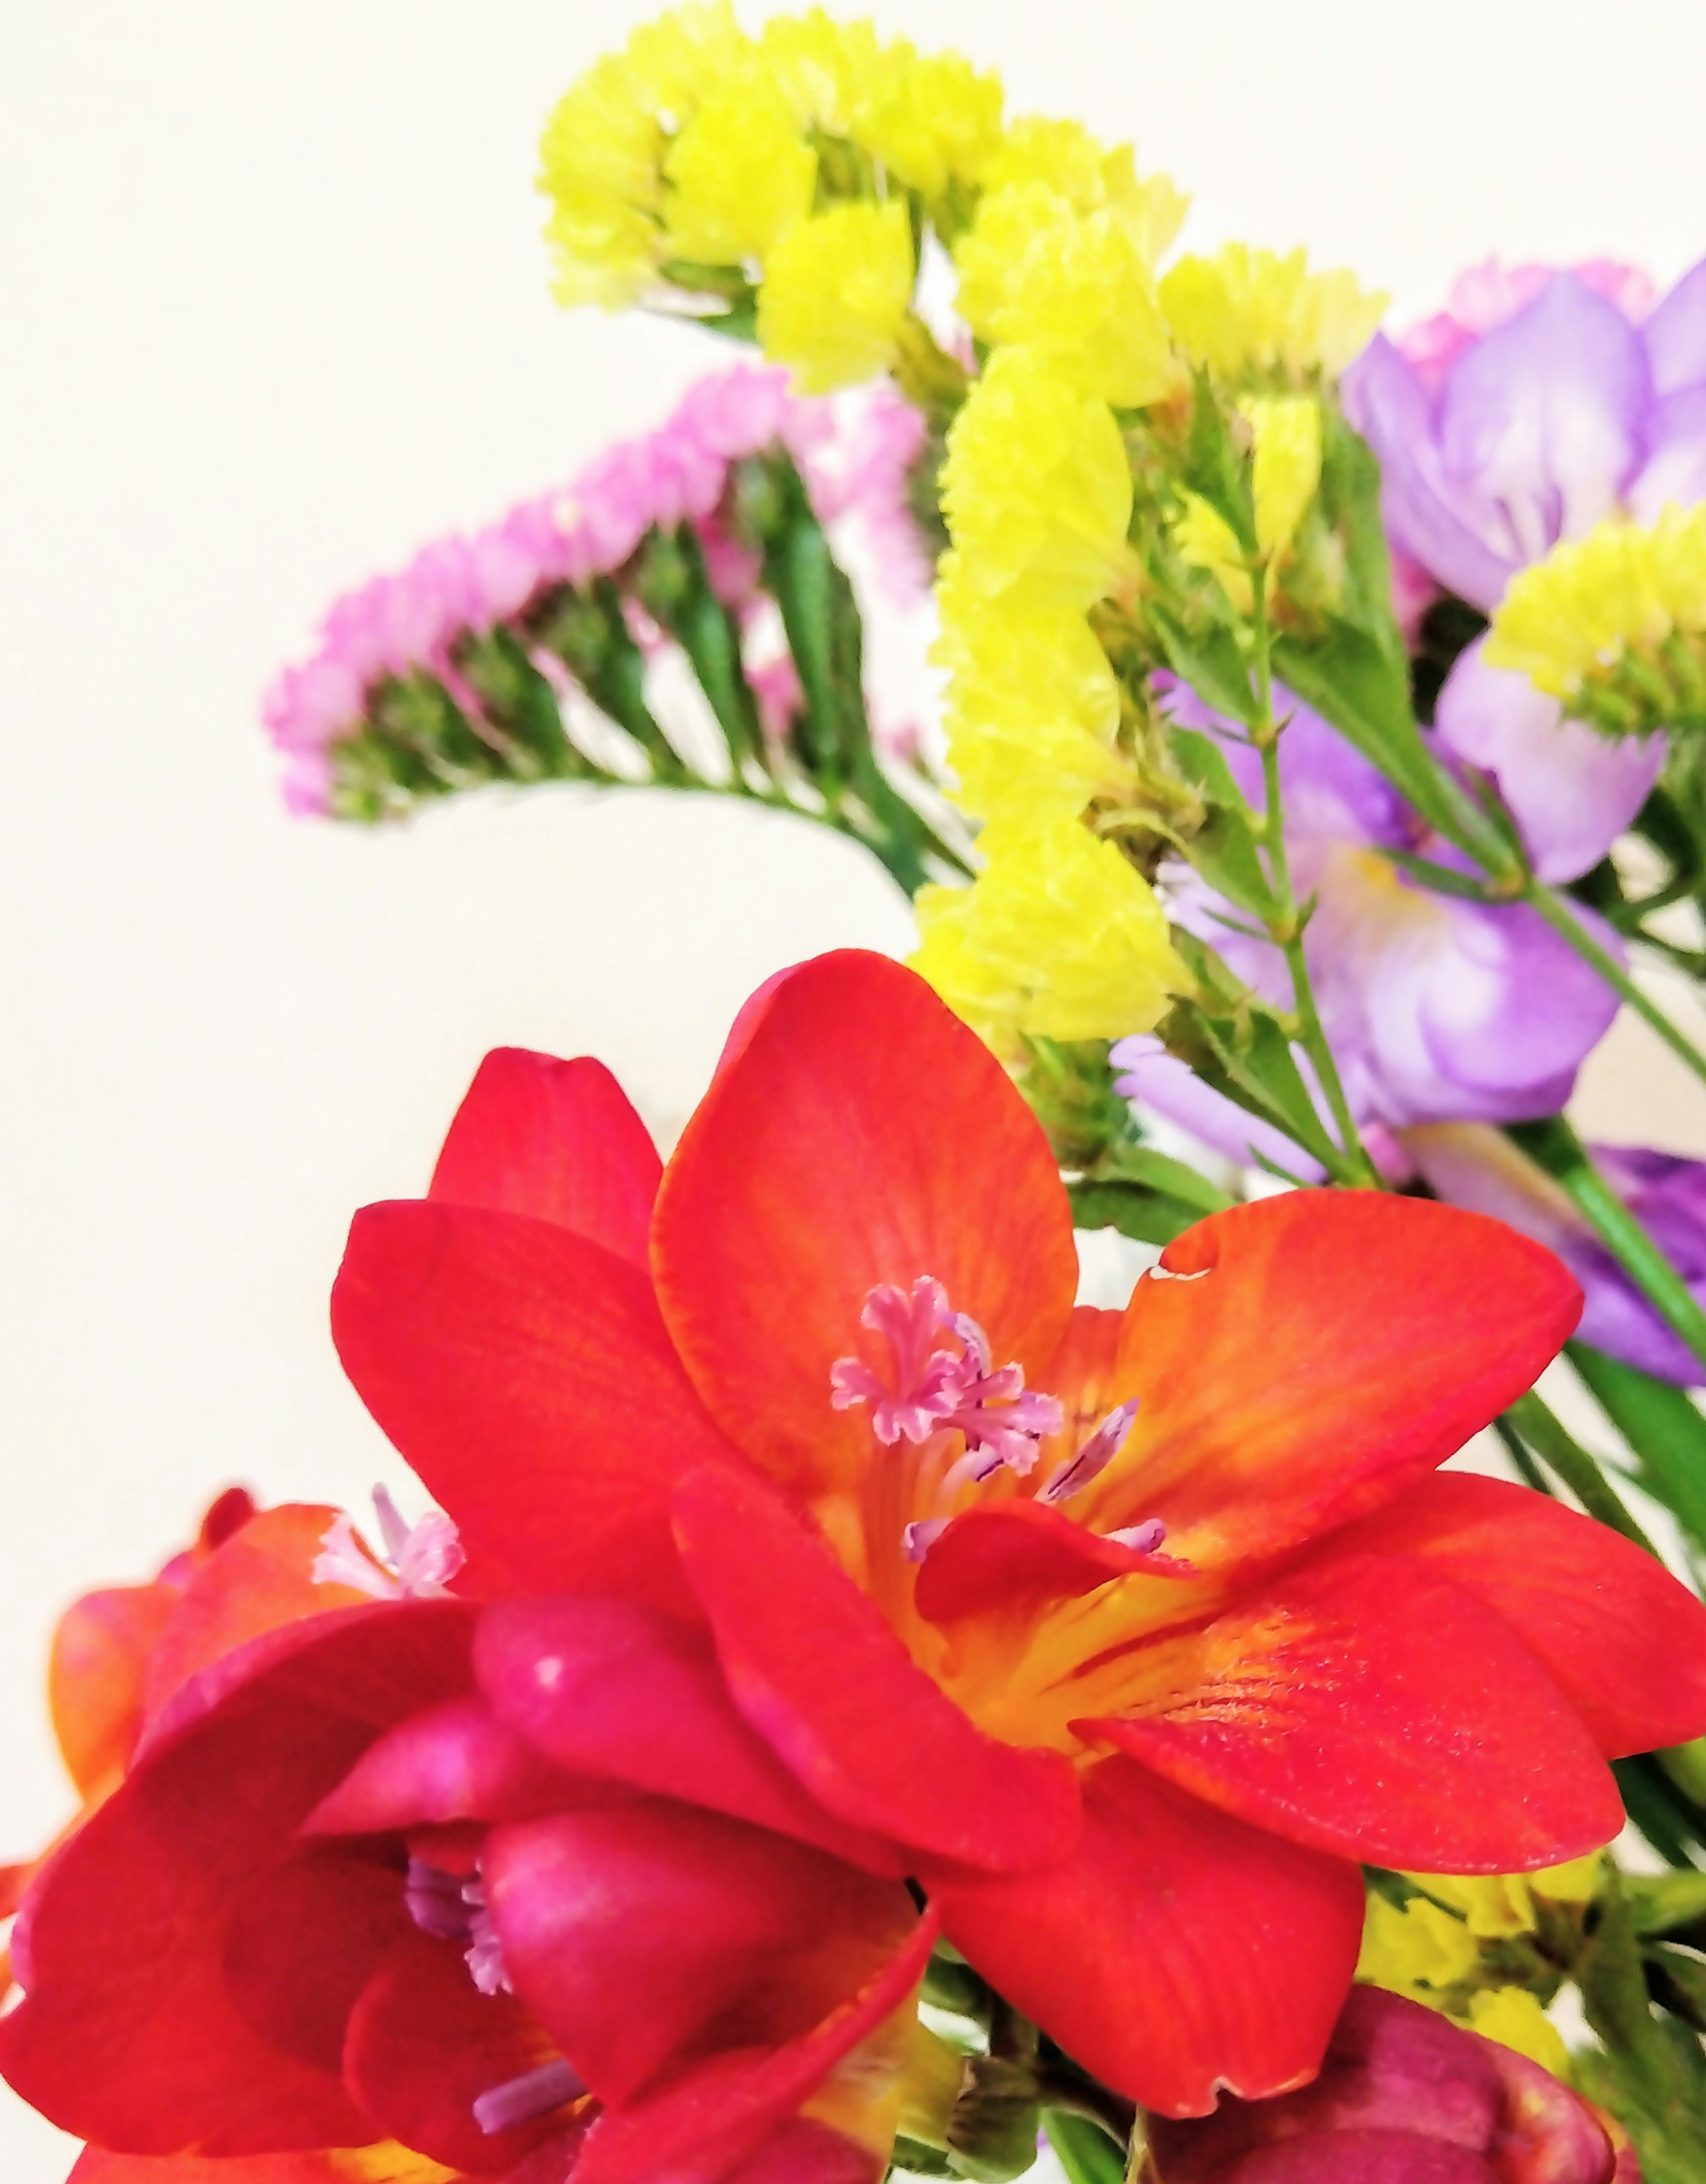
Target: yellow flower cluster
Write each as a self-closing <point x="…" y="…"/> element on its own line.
<point x="1285" y="470"/>
<point x="786" y="158"/>
<point x="1570" y="622"/>
<point x="1059" y="938"/>
<point x="1252" y="315"/>
<point x="1431" y="1949"/>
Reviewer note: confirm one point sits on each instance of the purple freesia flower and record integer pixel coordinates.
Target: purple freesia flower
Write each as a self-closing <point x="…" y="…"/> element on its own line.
<point x="1480" y="1168"/>
<point x="1404" y="2096"/>
<point x="1541" y="404"/>
<point x="1437" y="1009"/>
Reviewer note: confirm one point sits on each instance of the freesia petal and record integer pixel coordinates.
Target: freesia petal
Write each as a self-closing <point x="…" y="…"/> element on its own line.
<point x="645" y="1937"/>
<point x="853" y="1071"/>
<point x="1014" y="1556"/>
<point x="260" y="1579"/>
<point x="452" y="1762"/>
<point x="1571" y="790"/>
<point x="620" y="1692"/>
<point x="389" y="2164"/>
<point x="424" y="2044"/>
<point x="98" y="1673"/>
<point x="525" y="1373"/>
<point x="1619" y="1636"/>
<point x="702" y="2129"/>
<point x="1178" y="1951"/>
<point x="130" y="2032"/>
<point x="556" y="1139"/>
<point x="1675" y="335"/>
<point x="823" y="1678"/>
<point x="1327" y="1350"/>
<point x="1365" y="1707"/>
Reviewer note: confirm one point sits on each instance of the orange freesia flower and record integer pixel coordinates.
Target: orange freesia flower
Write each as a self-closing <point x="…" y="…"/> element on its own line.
<point x="1132" y="1632"/>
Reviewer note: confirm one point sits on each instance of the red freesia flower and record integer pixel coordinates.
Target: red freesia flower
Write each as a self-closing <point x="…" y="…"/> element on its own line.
<point x="344" y="1918"/>
<point x="1130" y="1633"/>
<point x="1404" y="2096"/>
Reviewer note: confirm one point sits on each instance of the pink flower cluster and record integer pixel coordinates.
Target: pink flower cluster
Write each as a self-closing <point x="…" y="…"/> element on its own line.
<point x="855" y="458"/>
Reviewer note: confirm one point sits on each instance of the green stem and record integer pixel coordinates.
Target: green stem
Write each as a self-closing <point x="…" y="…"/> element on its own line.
<point x="1563" y="921"/>
<point x="1554" y="1144"/>
<point x="1082" y="2149"/>
<point x="1286" y="927"/>
<point x="1538" y="1425"/>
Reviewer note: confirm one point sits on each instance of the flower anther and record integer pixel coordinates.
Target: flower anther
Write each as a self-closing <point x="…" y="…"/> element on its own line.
<point x="418" y="1563"/>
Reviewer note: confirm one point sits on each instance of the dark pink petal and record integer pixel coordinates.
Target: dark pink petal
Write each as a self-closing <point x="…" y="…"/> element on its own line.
<point x="626" y="1694"/>
<point x="1178" y="1950"/>
<point x="1623" y="1641"/>
<point x="1373" y="1710"/>
<point x="702" y="2128"/>
<point x="423" y="2045"/>
<point x="525" y="1375"/>
<point x="823" y="1678"/>
<point x="557" y="1139"/>
<point x="453" y="1762"/>
<point x="645" y="1938"/>
<point x="133" y="2031"/>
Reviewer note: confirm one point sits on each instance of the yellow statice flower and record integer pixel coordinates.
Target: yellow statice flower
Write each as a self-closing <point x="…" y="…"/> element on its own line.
<point x="600" y="157"/>
<point x="1036" y="485"/>
<point x="1032" y="710"/>
<point x="1058" y="936"/>
<point x="1418" y="1950"/>
<point x="1570" y="622"/>
<point x="1497" y="1905"/>
<point x="825" y="70"/>
<point x="1285" y="463"/>
<point x="1513" y="2017"/>
<point x="1206" y="540"/>
<point x="740" y="175"/>
<point x="931" y="118"/>
<point x="836" y="289"/>
<point x="1072" y="288"/>
<point x="1248" y="313"/>
<point x="1063" y="157"/>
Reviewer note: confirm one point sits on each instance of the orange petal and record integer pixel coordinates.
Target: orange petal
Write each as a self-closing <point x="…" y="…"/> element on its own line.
<point x="1330" y="1349"/>
<point x="1365" y="1706"/>
<point x="861" y="1134"/>
<point x="557" y="1139"/>
<point x="98" y="1673"/>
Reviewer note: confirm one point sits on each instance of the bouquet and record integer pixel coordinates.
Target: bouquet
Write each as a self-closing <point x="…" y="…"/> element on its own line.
<point x="852" y="1709"/>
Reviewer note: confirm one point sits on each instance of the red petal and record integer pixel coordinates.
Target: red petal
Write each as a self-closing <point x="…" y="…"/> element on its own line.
<point x="525" y="1373"/>
<point x="453" y="1762"/>
<point x="1334" y="1348"/>
<point x="302" y="1945"/>
<point x="1621" y="1638"/>
<point x="130" y="2032"/>
<point x="863" y="1134"/>
<point x="819" y="1674"/>
<point x="1177" y="1951"/>
<point x="645" y="1938"/>
<point x="1367" y="1708"/>
<point x="1014" y="1558"/>
<point x="617" y="1691"/>
<point x="99" y="1673"/>
<point x="557" y="1139"/>
<point x="260" y="1579"/>
<point x="425" y="2044"/>
<point x="704" y="2127"/>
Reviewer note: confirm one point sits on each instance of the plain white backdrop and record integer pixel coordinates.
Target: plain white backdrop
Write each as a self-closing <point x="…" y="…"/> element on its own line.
<point x="273" y="310"/>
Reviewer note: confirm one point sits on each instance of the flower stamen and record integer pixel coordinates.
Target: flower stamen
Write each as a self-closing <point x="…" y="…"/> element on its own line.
<point x="418" y="1563"/>
<point x="534" y="2094"/>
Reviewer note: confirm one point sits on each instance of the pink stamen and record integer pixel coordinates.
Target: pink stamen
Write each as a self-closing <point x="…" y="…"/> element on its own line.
<point x="485" y="1952"/>
<point x="917" y="1539"/>
<point x="534" y="2094"/>
<point x="1095" y="1456"/>
<point x="418" y="1564"/>
<point x="1142" y="1538"/>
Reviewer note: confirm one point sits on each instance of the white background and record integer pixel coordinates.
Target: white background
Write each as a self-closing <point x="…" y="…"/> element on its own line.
<point x="273" y="310"/>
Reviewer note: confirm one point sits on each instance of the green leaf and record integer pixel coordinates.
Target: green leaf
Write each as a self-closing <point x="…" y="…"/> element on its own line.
<point x="1237" y="1045"/>
<point x="1147" y="1217"/>
<point x="1224" y="849"/>
<point x="1661" y="1902"/>
<point x="1084" y="2149"/>
<point x="1207" y="659"/>
<point x="1214" y="470"/>
<point x="1142" y="1165"/>
<point x="1439" y="879"/>
<point x="1663" y="1428"/>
